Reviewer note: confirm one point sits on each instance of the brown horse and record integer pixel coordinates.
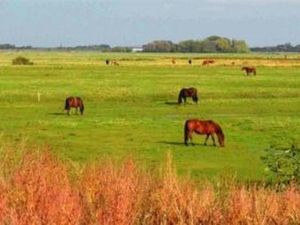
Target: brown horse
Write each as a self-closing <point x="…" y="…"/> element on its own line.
<point x="249" y="70"/>
<point x="74" y="102"/>
<point x="173" y="61"/>
<point x="207" y="127"/>
<point x="207" y="62"/>
<point x="190" y="61"/>
<point x="188" y="92"/>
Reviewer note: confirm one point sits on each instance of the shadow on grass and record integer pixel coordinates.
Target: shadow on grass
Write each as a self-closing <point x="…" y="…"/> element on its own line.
<point x="182" y="104"/>
<point x="171" y="103"/>
<point x="182" y="144"/>
<point x="58" y="114"/>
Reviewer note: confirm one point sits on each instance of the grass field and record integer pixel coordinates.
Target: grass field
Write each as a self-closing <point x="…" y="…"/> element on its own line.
<point x="131" y="110"/>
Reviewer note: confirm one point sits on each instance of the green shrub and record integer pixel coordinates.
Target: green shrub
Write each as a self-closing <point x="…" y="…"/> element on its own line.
<point x="283" y="163"/>
<point x="20" y="60"/>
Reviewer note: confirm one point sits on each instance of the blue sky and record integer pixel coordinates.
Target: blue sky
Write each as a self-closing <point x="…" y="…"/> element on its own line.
<point x="134" y="22"/>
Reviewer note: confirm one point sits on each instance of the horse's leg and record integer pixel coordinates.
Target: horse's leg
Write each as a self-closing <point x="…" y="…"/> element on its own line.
<point x="190" y="136"/>
<point x="68" y="112"/>
<point x="184" y="99"/>
<point x="76" y="111"/>
<point x="207" y="136"/>
<point x="213" y="138"/>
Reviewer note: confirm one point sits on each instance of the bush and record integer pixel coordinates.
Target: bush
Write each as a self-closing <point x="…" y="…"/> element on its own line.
<point x="20" y="60"/>
<point x="283" y="163"/>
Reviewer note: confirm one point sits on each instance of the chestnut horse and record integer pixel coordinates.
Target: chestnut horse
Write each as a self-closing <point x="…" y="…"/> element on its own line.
<point x="249" y="70"/>
<point x="74" y="102"/>
<point x="207" y="127"/>
<point x="187" y="92"/>
<point x="207" y="62"/>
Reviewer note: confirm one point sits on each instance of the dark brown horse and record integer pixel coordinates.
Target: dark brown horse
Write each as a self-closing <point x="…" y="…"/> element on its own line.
<point x="190" y="61"/>
<point x="187" y="92"/>
<point x="207" y="127"/>
<point x="207" y="62"/>
<point x="74" y="102"/>
<point x="173" y="61"/>
<point x="249" y="70"/>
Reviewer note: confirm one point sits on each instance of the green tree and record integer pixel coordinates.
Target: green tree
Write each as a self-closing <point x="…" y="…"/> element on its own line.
<point x="160" y="46"/>
<point x="190" y="46"/>
<point x="239" y="46"/>
<point x="223" y="45"/>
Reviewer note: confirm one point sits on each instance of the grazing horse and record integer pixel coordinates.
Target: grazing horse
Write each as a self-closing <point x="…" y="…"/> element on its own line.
<point x="249" y="70"/>
<point x="173" y="61"/>
<point x="188" y="92"/>
<point x="207" y="62"/>
<point x="207" y="127"/>
<point x="190" y="61"/>
<point x="74" y="102"/>
<point x="107" y="62"/>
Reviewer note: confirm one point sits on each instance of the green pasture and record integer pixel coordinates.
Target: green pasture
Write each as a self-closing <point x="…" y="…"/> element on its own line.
<point x="131" y="109"/>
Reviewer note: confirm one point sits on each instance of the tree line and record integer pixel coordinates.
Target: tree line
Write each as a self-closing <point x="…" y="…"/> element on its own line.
<point x="101" y="48"/>
<point x="212" y="44"/>
<point x="288" y="47"/>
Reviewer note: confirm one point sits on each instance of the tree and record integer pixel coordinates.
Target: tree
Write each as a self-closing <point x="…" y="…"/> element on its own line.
<point x="190" y="46"/>
<point x="239" y="46"/>
<point x="223" y="45"/>
<point x="209" y="46"/>
<point x="160" y="46"/>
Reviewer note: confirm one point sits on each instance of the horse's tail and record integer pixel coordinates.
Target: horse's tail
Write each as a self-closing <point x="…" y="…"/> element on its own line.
<point x="180" y="97"/>
<point x="67" y="106"/>
<point x="186" y="133"/>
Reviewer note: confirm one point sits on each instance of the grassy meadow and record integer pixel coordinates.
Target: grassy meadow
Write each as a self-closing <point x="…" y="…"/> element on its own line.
<point x="131" y="110"/>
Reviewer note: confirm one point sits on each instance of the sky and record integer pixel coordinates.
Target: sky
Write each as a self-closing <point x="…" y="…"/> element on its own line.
<point x="50" y="23"/>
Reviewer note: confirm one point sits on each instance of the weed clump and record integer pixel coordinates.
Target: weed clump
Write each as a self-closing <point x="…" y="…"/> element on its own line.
<point x="20" y="60"/>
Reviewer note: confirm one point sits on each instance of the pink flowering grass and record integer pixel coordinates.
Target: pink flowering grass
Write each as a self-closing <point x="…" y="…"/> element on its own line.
<point x="39" y="188"/>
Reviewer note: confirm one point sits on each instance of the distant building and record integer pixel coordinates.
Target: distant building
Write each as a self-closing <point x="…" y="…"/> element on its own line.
<point x="137" y="49"/>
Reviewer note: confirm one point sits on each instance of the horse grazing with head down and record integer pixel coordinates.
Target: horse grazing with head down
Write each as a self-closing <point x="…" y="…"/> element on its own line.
<point x="249" y="70"/>
<point x="207" y="62"/>
<point x="74" y="102"/>
<point x="188" y="92"/>
<point x="207" y="127"/>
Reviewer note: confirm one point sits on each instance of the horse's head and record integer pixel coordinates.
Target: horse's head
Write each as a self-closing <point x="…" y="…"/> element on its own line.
<point x="221" y="137"/>
<point x="222" y="142"/>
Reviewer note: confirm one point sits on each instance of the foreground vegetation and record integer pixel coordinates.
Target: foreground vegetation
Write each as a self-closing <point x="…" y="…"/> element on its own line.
<point x="37" y="188"/>
<point x="131" y="109"/>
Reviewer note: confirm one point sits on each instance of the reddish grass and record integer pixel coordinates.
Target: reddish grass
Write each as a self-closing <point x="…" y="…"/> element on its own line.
<point x="41" y="190"/>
